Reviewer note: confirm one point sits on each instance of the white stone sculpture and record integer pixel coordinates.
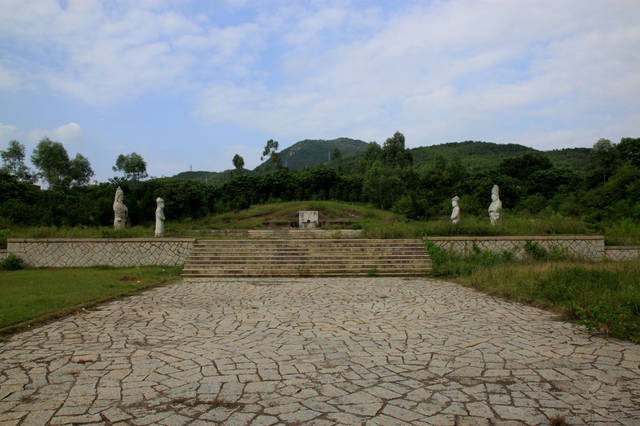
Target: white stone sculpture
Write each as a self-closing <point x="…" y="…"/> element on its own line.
<point x="308" y="219"/>
<point x="120" y="211"/>
<point x="159" y="217"/>
<point x="495" y="208"/>
<point x="455" y="213"/>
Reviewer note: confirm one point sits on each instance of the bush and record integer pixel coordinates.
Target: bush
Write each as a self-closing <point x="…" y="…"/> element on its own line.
<point x="4" y="234"/>
<point x="535" y="251"/>
<point x="12" y="263"/>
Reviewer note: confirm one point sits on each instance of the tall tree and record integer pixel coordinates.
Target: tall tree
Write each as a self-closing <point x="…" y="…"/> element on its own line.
<point x="629" y="149"/>
<point x="336" y="154"/>
<point x="52" y="160"/>
<point x="604" y="158"/>
<point x="132" y="166"/>
<point x="13" y="162"/>
<point x="80" y="170"/>
<point x="274" y="157"/>
<point x="394" y="152"/>
<point x="238" y="162"/>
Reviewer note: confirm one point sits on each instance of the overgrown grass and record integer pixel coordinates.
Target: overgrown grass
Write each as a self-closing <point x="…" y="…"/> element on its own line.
<point x="603" y="296"/>
<point x="34" y="295"/>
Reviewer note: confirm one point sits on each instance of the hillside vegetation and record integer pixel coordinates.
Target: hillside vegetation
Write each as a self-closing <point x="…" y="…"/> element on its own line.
<point x="605" y="198"/>
<point x="474" y="156"/>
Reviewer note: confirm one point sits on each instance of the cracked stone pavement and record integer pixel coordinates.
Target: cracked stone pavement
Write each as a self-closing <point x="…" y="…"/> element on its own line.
<point x="318" y="351"/>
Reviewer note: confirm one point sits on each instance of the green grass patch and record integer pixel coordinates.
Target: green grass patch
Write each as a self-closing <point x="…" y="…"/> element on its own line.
<point x="603" y="295"/>
<point x="374" y="222"/>
<point x="34" y="295"/>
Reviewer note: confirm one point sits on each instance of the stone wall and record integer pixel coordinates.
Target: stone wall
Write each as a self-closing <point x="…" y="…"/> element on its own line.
<point x="82" y="252"/>
<point x="622" y="252"/>
<point x="581" y="246"/>
<point x="3" y="254"/>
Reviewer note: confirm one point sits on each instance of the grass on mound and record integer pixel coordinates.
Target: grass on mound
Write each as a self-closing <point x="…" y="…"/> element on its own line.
<point x="603" y="296"/>
<point x="33" y="295"/>
<point x="374" y="222"/>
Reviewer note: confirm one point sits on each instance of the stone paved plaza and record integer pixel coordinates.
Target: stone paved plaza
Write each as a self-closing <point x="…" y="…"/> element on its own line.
<point x="317" y="351"/>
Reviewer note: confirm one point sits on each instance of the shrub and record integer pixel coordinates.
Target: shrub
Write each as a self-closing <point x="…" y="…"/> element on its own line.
<point x="4" y="234"/>
<point x="12" y="263"/>
<point x="535" y="251"/>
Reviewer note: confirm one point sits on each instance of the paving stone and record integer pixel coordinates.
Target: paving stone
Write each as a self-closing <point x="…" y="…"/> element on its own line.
<point x="317" y="350"/>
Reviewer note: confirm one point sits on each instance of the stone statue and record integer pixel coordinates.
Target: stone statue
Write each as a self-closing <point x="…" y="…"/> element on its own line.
<point x="455" y="213"/>
<point x="120" y="211"/>
<point x="159" y="217"/>
<point x="496" y="206"/>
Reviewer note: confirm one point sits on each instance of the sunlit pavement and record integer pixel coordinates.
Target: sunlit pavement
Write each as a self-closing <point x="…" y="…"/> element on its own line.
<point x="319" y="351"/>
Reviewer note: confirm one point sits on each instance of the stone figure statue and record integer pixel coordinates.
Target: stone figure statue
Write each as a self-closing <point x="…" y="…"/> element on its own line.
<point x="120" y="211"/>
<point x="496" y="206"/>
<point x="159" y="217"/>
<point x="455" y="213"/>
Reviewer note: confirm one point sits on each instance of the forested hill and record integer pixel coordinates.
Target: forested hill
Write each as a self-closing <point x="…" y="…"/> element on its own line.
<point x="311" y="152"/>
<point x="476" y="155"/>
<point x="473" y="155"/>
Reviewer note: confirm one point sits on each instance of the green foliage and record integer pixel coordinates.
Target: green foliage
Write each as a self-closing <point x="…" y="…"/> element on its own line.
<point x="629" y="151"/>
<point x="310" y="153"/>
<point x="132" y="166"/>
<point x="523" y="167"/>
<point x="604" y="158"/>
<point x="535" y="251"/>
<point x="4" y="234"/>
<point x="275" y="161"/>
<point x="393" y="152"/>
<point x="12" y="263"/>
<point x="13" y="162"/>
<point x="238" y="162"/>
<point x="336" y="154"/>
<point x="56" y="169"/>
<point x="447" y="263"/>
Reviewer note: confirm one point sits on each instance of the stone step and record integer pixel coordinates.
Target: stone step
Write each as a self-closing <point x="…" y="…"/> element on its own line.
<point x="315" y="257"/>
<point x="311" y="252"/>
<point x="271" y="261"/>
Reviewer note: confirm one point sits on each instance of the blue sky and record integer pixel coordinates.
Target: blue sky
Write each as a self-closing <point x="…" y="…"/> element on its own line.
<point x="191" y="83"/>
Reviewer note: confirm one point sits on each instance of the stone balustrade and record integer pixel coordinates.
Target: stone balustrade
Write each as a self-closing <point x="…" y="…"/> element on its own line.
<point x="622" y="252"/>
<point x="589" y="247"/>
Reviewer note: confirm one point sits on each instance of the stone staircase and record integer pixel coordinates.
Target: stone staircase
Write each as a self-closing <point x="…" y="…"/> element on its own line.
<point x="313" y="258"/>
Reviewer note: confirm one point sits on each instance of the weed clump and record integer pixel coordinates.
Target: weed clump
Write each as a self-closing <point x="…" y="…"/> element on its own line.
<point x="12" y="263"/>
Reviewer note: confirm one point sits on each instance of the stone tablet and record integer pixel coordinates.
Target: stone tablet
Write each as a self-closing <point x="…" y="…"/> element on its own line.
<point x="308" y="219"/>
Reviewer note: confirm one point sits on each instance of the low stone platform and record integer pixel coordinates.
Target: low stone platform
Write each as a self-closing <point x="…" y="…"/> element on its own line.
<point x="316" y="351"/>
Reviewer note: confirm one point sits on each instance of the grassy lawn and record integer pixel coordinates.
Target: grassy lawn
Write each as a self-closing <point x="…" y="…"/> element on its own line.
<point x="33" y="295"/>
<point x="604" y="296"/>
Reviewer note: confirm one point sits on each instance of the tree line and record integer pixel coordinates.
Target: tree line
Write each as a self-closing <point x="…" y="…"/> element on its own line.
<point x="383" y="175"/>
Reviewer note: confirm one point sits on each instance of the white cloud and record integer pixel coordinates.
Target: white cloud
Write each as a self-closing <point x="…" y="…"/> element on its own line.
<point x="68" y="134"/>
<point x="438" y="71"/>
<point x="463" y="69"/>
<point x="8" y="132"/>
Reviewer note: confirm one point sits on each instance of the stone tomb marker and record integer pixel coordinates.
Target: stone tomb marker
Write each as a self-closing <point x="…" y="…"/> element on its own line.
<point x="308" y="219"/>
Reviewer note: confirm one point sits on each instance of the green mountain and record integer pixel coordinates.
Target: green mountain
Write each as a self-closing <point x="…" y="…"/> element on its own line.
<point x="211" y="177"/>
<point x="311" y="152"/>
<point x="477" y="156"/>
<point x="474" y="155"/>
